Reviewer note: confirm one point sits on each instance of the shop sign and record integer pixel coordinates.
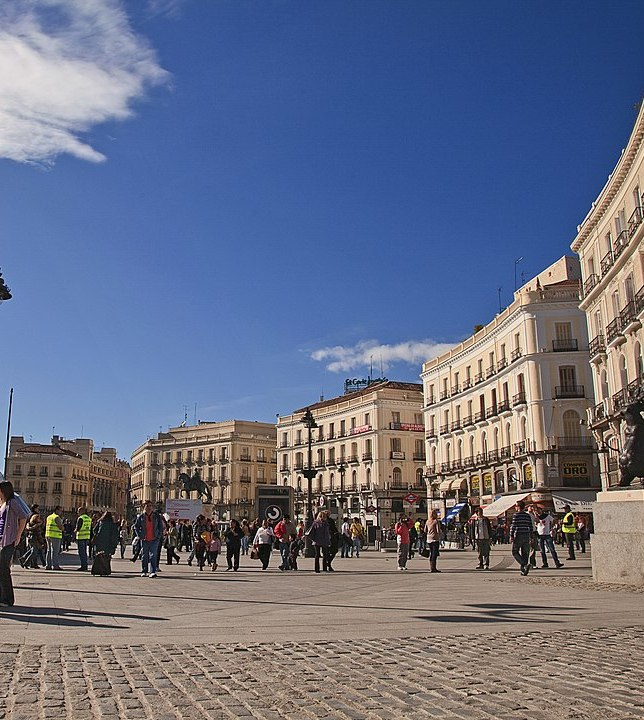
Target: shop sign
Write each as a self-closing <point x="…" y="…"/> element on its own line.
<point x="527" y="473"/>
<point x="575" y="469"/>
<point x="408" y="426"/>
<point x="474" y="485"/>
<point x="487" y="483"/>
<point x="450" y="502"/>
<point x="359" y="429"/>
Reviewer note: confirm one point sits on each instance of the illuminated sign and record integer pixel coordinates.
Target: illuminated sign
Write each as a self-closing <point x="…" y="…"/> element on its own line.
<point x="487" y="483"/>
<point x="474" y="485"/>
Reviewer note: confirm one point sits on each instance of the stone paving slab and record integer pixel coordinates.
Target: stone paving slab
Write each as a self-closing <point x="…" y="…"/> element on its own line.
<point x="565" y="674"/>
<point x="363" y="643"/>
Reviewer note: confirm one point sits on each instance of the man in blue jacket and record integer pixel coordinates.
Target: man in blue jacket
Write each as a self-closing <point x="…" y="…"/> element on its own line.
<point x="148" y="527"/>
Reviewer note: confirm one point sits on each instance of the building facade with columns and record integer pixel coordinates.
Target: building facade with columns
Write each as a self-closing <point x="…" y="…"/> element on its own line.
<point x="503" y="410"/>
<point x="610" y="245"/>
<point x="368" y="448"/>
<point x="232" y="457"/>
<point x="69" y="473"/>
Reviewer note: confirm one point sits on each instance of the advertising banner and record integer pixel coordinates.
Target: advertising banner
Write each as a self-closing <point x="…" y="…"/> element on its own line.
<point x="183" y="509"/>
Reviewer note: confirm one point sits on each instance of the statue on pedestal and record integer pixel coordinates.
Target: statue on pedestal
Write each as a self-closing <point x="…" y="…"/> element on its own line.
<point x="631" y="459"/>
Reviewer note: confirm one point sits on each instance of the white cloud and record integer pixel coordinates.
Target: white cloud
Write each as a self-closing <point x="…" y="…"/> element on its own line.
<point x="371" y="352"/>
<point x="66" y="66"/>
<point x="166" y="7"/>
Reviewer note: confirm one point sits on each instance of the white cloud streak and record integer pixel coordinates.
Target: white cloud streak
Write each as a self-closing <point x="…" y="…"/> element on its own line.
<point x="67" y="65"/>
<point x="367" y="352"/>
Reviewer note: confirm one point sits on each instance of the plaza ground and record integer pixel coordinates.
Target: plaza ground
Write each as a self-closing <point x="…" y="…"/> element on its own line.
<point x="366" y="641"/>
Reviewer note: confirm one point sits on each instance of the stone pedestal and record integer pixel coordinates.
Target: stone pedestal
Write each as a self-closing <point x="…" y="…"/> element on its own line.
<point x="618" y="541"/>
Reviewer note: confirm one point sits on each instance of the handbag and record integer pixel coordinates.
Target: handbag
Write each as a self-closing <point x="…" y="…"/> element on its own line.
<point x="425" y="552"/>
<point x="254" y="553"/>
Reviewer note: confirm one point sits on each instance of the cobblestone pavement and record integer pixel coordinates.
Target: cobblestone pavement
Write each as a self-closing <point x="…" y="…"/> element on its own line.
<point x="569" y="674"/>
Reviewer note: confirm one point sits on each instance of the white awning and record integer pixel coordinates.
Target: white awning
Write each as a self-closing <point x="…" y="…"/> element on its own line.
<point x="458" y="484"/>
<point x="444" y="486"/>
<point x="579" y="500"/>
<point x="502" y="505"/>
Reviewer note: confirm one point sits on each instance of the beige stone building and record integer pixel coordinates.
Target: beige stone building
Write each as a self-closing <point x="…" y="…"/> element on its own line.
<point x="69" y="473"/>
<point x="232" y="457"/>
<point x="503" y="410"/>
<point x="611" y="251"/>
<point x="369" y="442"/>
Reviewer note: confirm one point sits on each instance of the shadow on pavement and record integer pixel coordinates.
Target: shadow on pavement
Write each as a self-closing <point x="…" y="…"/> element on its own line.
<point x="66" y="617"/>
<point x="491" y="613"/>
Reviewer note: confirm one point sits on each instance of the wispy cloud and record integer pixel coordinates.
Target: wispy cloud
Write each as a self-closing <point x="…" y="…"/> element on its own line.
<point x="67" y="65"/>
<point x="367" y="352"/>
<point x="171" y="8"/>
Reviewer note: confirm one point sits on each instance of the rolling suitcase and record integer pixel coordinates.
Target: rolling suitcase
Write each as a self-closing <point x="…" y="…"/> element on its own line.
<point x="101" y="564"/>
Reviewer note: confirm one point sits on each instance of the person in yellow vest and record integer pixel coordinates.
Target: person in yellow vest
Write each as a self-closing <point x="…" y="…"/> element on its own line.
<point x="83" y="530"/>
<point x="569" y="528"/>
<point x="54" y="537"/>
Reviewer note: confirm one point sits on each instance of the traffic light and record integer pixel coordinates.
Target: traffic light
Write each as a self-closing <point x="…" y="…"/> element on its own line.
<point x="5" y="292"/>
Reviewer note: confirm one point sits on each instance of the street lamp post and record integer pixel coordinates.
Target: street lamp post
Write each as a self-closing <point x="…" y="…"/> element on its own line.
<point x="342" y="468"/>
<point x="309" y="474"/>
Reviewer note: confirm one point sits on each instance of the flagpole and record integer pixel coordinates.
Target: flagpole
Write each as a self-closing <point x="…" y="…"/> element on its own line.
<point x="6" y="447"/>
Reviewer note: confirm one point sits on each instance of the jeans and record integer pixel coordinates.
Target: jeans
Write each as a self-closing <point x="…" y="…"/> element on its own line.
<point x="521" y="549"/>
<point x="346" y="546"/>
<point x="547" y="544"/>
<point x="284" y="551"/>
<point x="6" y="586"/>
<point x="53" y="552"/>
<point x="149" y="554"/>
<point x="357" y="544"/>
<point x="244" y="545"/>
<point x="82" y="553"/>
<point x="433" y="554"/>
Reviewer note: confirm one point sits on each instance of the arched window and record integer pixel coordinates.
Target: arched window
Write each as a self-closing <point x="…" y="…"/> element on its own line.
<point x="460" y="450"/>
<point x="331" y="481"/>
<point x="368" y="477"/>
<point x="397" y="476"/>
<point x="524" y="428"/>
<point x="639" y="362"/>
<point x="623" y="371"/>
<point x="603" y="382"/>
<point x="419" y="477"/>
<point x="354" y="479"/>
<point x="496" y="438"/>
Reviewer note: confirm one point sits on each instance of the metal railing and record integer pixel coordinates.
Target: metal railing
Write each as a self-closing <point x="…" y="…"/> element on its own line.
<point x="569" y="391"/>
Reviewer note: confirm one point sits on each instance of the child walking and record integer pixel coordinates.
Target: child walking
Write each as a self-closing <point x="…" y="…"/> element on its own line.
<point x="214" y="548"/>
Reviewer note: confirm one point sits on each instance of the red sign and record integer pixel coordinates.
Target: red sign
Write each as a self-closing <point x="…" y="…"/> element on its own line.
<point x="371" y="509"/>
<point x="411" y="498"/>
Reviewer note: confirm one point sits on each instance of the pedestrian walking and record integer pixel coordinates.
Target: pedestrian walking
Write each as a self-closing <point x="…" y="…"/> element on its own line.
<point x="36" y="543"/>
<point x="521" y="529"/>
<point x="148" y="527"/>
<point x="54" y="537"/>
<point x="233" y="537"/>
<point x="214" y="548"/>
<point x="106" y="540"/>
<point x="546" y="541"/>
<point x="171" y="542"/>
<point x="346" y="543"/>
<point x="294" y="551"/>
<point x="482" y="534"/>
<point x="570" y="531"/>
<point x="321" y="539"/>
<point x="283" y="531"/>
<point x="357" y="536"/>
<point x="83" y="531"/>
<point x="124" y="536"/>
<point x="580" y="537"/>
<point x="433" y="534"/>
<point x="402" y="540"/>
<point x="263" y="542"/>
<point x="13" y="519"/>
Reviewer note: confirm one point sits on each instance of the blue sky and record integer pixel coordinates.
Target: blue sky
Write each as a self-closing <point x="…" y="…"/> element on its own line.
<point x="238" y="204"/>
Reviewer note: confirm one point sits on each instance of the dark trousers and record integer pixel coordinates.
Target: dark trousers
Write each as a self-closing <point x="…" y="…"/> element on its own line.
<point x="171" y="554"/>
<point x="264" y="551"/>
<point x="433" y="548"/>
<point x="232" y="555"/>
<point x="521" y="549"/>
<point x="6" y="586"/>
<point x="484" y="552"/>
<point x="570" y="542"/>
<point x="325" y="553"/>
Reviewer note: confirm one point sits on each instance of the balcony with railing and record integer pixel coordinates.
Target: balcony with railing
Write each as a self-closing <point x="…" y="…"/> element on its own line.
<point x="479" y="416"/>
<point x="284" y="468"/>
<point x="445" y="467"/>
<point x="431" y="400"/>
<point x="628" y="316"/>
<point x="467" y="383"/>
<point x="614" y="335"/>
<point x="518" y="399"/>
<point x="456" y="389"/>
<point x="456" y="425"/>
<point x="569" y="391"/>
<point x="621" y="242"/>
<point x="490" y="412"/>
<point x="607" y="262"/>
<point x="503" y="406"/>
<point x="444" y="429"/>
<point x="589" y="283"/>
<point x="467" y="421"/>
<point x="490" y="371"/>
<point x="431" y="433"/>
<point x="520" y="448"/>
<point x="501" y="364"/>
<point x="516" y="354"/>
<point x="634" y="221"/>
<point x="478" y="378"/>
<point x="352" y="459"/>
<point x="505" y="453"/>
<point x="598" y="413"/>
<point x="468" y="461"/>
<point x="444" y="394"/>
<point x="481" y="458"/>
<point x="567" y="345"/>
<point x="597" y="346"/>
<point x="367" y="456"/>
